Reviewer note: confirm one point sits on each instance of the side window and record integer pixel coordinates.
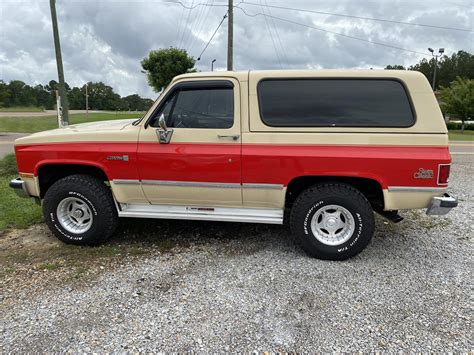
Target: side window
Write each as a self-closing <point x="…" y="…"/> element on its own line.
<point x="203" y="108"/>
<point x="334" y="103"/>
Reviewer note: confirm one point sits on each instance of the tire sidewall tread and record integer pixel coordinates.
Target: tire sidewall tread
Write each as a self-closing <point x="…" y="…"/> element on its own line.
<point x="96" y="195"/>
<point x="317" y="196"/>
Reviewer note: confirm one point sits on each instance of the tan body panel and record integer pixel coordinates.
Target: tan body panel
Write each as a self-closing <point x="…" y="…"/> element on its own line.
<point x="429" y="130"/>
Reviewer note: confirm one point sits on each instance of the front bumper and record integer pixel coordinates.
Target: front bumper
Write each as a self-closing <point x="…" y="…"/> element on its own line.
<point x="441" y="205"/>
<point x="19" y="186"/>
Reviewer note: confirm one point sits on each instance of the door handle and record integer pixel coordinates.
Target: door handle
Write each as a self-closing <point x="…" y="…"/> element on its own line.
<point x="234" y="137"/>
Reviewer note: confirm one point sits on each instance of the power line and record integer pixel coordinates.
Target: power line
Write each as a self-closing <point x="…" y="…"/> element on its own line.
<point x="332" y="32"/>
<point x="271" y="37"/>
<point x="181" y="42"/>
<point x="333" y="14"/>
<point x="284" y="55"/>
<point x="362" y="17"/>
<point x="210" y="39"/>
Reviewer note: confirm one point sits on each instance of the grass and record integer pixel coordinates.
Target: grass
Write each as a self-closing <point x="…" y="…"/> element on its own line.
<point x="458" y="136"/>
<point x="38" y="124"/>
<point x="21" y="109"/>
<point x="15" y="212"/>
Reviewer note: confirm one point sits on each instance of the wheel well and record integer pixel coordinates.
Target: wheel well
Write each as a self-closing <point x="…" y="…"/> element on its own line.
<point x="371" y="189"/>
<point x="49" y="174"/>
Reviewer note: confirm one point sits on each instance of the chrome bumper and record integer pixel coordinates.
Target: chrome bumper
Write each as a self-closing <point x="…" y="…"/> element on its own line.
<point x="441" y="205"/>
<point x="19" y="186"/>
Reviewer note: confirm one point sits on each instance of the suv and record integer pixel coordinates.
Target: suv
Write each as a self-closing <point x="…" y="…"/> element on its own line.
<point x="321" y="150"/>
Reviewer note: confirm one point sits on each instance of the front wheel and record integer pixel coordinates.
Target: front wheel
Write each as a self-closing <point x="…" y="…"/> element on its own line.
<point x="332" y="221"/>
<point x="79" y="209"/>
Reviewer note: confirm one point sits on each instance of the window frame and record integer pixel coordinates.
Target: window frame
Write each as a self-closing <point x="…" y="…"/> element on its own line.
<point x="401" y="82"/>
<point x="189" y="85"/>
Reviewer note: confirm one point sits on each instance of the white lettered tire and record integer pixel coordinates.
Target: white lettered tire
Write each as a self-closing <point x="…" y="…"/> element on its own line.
<point x="332" y="221"/>
<point x="79" y="209"/>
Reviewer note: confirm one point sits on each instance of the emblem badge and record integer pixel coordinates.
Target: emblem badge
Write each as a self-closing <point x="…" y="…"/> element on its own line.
<point x="424" y="174"/>
<point x="118" y="157"/>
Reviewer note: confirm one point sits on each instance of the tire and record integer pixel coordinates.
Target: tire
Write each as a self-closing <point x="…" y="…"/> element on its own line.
<point x="332" y="221"/>
<point x="87" y="212"/>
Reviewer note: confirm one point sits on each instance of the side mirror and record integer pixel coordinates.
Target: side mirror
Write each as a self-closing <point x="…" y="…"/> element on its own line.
<point x="164" y="133"/>
<point x="162" y="122"/>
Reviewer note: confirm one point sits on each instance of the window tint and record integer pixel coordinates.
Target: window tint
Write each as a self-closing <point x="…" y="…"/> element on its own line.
<point x="202" y="108"/>
<point x="334" y="102"/>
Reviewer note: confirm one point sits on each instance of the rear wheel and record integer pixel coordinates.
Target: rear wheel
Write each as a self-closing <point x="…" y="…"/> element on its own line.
<point x="332" y="221"/>
<point x="79" y="209"/>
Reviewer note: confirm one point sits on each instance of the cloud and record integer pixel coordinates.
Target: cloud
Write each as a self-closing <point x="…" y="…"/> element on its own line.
<point x="105" y="40"/>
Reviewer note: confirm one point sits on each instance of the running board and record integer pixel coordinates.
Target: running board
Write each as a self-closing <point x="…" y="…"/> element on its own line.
<point x="220" y="214"/>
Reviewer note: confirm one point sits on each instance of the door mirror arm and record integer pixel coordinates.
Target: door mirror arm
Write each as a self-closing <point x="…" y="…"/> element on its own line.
<point x="164" y="133"/>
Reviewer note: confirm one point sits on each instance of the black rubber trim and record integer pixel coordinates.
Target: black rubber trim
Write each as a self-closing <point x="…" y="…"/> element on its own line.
<point x="400" y="81"/>
<point x="449" y="204"/>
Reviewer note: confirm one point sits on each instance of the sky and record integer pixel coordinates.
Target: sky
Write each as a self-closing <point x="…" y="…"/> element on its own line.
<point x="105" y="40"/>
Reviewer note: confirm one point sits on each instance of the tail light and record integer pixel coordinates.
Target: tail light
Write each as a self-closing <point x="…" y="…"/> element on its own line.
<point x="443" y="174"/>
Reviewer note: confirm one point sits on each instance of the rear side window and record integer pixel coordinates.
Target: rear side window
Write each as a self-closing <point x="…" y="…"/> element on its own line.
<point x="334" y="103"/>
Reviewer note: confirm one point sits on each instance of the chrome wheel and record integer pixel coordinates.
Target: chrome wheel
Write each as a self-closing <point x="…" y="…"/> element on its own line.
<point x="332" y="225"/>
<point x="74" y="215"/>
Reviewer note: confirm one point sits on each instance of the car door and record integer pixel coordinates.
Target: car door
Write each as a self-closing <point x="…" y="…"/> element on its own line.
<point x="198" y="160"/>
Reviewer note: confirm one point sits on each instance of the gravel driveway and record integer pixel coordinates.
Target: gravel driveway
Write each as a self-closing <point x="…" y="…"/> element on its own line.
<point x="236" y="287"/>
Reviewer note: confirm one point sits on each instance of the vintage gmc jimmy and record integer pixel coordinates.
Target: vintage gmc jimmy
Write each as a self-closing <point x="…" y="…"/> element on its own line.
<point x="320" y="150"/>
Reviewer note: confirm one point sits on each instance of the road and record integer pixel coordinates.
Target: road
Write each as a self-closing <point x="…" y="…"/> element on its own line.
<point x="42" y="113"/>
<point x="6" y="142"/>
<point x="7" y="139"/>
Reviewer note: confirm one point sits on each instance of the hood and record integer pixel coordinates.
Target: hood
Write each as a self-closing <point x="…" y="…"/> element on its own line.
<point x="91" y="131"/>
<point x="101" y="125"/>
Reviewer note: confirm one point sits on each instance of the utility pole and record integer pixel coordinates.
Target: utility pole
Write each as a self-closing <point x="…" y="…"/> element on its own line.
<point x="436" y="56"/>
<point x="212" y="64"/>
<point x="87" y="103"/>
<point x="59" y="62"/>
<point x="230" y="37"/>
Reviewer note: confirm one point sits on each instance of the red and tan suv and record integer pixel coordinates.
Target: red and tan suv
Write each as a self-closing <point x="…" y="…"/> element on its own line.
<point x="321" y="150"/>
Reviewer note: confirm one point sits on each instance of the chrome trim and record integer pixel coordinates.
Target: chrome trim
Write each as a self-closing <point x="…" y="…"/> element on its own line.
<point x="415" y="189"/>
<point x="441" y="205"/>
<point x="125" y="182"/>
<point x="204" y="213"/>
<point x="437" y="177"/>
<point x="19" y="186"/>
<point x="191" y="184"/>
<point x="263" y="186"/>
<point x="223" y="185"/>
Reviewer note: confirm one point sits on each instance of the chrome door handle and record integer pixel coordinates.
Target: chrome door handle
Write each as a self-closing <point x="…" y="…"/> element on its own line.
<point x="232" y="136"/>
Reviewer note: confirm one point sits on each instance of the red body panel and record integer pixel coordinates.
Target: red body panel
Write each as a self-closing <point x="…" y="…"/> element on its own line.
<point x="31" y="157"/>
<point x="190" y="162"/>
<point x="250" y="163"/>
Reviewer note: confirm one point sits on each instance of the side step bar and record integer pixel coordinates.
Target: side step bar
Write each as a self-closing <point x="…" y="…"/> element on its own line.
<point x="391" y="216"/>
<point x="221" y="214"/>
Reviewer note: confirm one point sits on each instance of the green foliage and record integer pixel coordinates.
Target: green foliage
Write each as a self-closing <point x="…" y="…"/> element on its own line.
<point x="395" y="67"/>
<point x="8" y="165"/>
<point x="15" y="212"/>
<point x="101" y="97"/>
<point x="449" y="68"/>
<point x="458" y="99"/>
<point x="452" y="126"/>
<point x="37" y="124"/>
<point x="162" y="65"/>
<point x="461" y="136"/>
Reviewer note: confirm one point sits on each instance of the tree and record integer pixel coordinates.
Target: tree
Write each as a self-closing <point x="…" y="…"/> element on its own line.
<point x="162" y="65"/>
<point x="458" y="99"/>
<point x="135" y="103"/>
<point x="449" y="68"/>
<point x="395" y="67"/>
<point x="4" y="93"/>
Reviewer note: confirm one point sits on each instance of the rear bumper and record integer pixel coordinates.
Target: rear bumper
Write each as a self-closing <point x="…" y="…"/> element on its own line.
<point x="19" y="186"/>
<point x="441" y="205"/>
